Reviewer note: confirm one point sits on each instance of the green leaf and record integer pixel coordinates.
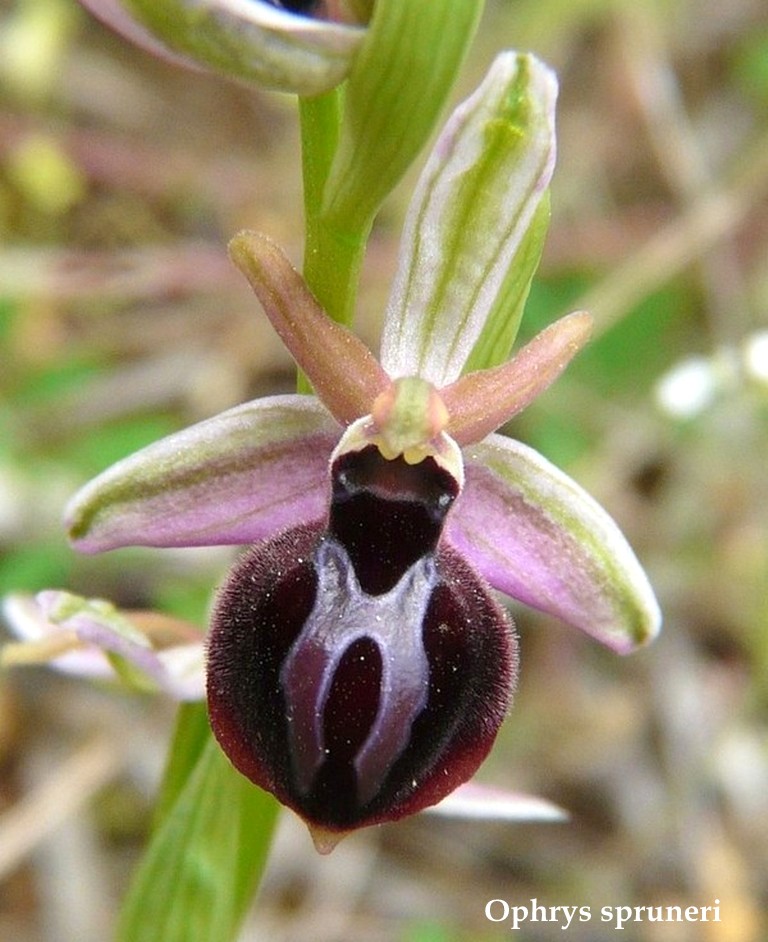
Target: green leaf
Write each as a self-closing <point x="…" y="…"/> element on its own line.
<point x="396" y="90"/>
<point x="208" y="851"/>
<point x="189" y="740"/>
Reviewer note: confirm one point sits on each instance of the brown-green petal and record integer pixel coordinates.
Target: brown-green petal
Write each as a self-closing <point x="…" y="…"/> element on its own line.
<point x="478" y="403"/>
<point x="344" y="373"/>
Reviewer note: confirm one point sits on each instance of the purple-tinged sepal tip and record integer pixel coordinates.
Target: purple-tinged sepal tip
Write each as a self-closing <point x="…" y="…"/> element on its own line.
<point x="537" y="536"/>
<point x="238" y="477"/>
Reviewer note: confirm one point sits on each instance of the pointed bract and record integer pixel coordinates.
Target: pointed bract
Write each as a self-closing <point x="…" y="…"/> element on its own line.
<point x="387" y="117"/>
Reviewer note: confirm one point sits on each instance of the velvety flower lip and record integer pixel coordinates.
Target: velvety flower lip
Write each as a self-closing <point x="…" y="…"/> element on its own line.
<point x="247" y="40"/>
<point x="91" y="638"/>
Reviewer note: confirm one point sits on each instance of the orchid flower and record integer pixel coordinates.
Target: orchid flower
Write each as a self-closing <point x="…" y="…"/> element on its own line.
<point x="359" y="664"/>
<point x="274" y="45"/>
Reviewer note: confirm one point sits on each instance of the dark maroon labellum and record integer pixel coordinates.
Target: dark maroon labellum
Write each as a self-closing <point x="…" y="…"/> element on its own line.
<point x="359" y="669"/>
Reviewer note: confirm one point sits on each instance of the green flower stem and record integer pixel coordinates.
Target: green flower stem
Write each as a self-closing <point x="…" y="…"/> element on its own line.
<point x="320" y="117"/>
<point x="332" y="260"/>
<point x="333" y="253"/>
<point x="209" y="847"/>
<point x="332" y="257"/>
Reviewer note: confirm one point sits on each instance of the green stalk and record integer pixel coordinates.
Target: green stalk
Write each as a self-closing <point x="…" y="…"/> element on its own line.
<point x="332" y="256"/>
<point x="209" y="847"/>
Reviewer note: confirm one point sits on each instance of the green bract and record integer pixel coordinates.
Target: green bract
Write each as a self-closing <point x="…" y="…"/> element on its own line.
<point x="388" y="114"/>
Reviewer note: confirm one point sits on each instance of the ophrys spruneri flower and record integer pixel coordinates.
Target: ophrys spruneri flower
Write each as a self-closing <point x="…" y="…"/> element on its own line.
<point x="359" y="663"/>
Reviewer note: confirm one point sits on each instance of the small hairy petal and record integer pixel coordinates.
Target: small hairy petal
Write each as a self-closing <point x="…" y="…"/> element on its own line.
<point x="344" y="373"/>
<point x="537" y="536"/>
<point x="248" y="41"/>
<point x="236" y="478"/>
<point x="478" y="403"/>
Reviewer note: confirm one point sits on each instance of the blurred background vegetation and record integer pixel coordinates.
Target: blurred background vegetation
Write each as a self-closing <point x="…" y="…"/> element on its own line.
<point x="121" y="320"/>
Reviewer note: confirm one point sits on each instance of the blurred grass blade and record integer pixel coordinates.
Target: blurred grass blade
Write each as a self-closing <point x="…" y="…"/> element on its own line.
<point x="208" y="851"/>
<point x="189" y="740"/>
